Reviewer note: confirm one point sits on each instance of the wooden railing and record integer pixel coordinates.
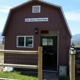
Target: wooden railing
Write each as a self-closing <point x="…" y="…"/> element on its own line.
<point x="72" y="52"/>
<point x="39" y="66"/>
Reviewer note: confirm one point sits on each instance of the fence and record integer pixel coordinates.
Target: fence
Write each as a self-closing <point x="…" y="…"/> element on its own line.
<point x="39" y="66"/>
<point x="72" y="63"/>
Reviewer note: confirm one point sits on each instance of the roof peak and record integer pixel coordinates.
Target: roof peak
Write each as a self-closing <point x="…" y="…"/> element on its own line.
<point x="34" y="0"/>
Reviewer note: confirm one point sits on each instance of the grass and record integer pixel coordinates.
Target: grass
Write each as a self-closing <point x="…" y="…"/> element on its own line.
<point x="17" y="75"/>
<point x="14" y="75"/>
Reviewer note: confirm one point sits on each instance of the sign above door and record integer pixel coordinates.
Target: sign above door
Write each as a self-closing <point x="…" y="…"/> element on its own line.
<point x="36" y="19"/>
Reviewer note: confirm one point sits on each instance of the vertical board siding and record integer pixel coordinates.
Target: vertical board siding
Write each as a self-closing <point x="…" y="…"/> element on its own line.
<point x="18" y="26"/>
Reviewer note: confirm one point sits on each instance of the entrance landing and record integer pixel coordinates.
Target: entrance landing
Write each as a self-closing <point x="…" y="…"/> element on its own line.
<point x="50" y="76"/>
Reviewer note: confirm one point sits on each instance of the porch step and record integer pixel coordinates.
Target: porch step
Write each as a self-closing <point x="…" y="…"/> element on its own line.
<point x="50" y="76"/>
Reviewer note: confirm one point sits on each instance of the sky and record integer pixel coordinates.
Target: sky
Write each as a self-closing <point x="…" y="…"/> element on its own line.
<point x="71" y="9"/>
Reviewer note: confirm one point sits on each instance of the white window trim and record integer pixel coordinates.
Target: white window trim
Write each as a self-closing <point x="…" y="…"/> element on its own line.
<point x="36" y="6"/>
<point x="24" y="42"/>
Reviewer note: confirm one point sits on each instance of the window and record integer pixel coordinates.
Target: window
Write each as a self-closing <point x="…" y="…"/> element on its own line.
<point x="20" y="41"/>
<point x="25" y="41"/>
<point x="36" y="9"/>
<point x="46" y="42"/>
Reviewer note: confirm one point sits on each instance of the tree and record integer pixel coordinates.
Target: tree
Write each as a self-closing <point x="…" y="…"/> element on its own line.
<point x="73" y="44"/>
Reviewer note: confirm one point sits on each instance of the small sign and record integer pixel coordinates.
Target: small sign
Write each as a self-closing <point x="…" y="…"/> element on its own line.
<point x="36" y="19"/>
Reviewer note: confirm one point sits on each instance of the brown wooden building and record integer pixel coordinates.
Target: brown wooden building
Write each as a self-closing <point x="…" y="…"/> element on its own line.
<point x="37" y="23"/>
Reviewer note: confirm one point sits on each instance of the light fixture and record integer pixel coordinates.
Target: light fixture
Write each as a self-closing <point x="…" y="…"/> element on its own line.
<point x="72" y="51"/>
<point x="36" y="30"/>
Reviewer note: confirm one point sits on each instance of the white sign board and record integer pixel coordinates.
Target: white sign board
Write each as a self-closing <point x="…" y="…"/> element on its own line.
<point x="36" y="19"/>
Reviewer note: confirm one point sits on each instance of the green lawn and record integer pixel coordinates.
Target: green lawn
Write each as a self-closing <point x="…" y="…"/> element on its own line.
<point x="17" y="75"/>
<point x="14" y="75"/>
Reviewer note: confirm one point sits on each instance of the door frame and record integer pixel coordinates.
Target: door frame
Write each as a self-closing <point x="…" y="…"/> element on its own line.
<point x="57" y="51"/>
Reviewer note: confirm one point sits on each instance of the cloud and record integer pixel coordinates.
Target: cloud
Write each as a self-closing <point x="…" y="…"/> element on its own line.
<point x="73" y="15"/>
<point x="4" y="9"/>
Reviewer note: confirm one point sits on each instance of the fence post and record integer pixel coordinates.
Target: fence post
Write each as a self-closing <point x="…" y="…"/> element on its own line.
<point x="39" y="63"/>
<point x="72" y="63"/>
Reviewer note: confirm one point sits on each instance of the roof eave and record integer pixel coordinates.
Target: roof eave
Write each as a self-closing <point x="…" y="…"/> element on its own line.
<point x="3" y="33"/>
<point x="66" y="22"/>
<point x="28" y="2"/>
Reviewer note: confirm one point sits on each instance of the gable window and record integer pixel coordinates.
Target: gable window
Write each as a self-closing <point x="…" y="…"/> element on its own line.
<point x="36" y="9"/>
<point x="25" y="41"/>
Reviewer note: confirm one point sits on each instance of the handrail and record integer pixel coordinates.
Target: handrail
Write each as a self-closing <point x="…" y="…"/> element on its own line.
<point x="20" y="66"/>
<point x="18" y="51"/>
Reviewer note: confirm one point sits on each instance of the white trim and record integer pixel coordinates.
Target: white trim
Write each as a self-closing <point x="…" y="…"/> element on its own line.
<point x="25" y="41"/>
<point x="36" y="6"/>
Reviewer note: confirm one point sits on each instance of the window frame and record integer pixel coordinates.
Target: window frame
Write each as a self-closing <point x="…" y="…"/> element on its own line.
<point x="25" y="42"/>
<point x="36" y="6"/>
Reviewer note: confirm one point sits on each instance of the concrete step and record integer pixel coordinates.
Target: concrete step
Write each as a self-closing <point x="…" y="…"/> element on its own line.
<point x="51" y="79"/>
<point x="50" y="76"/>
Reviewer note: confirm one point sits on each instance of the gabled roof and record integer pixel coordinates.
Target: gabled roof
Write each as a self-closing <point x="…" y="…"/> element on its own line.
<point x="30" y="1"/>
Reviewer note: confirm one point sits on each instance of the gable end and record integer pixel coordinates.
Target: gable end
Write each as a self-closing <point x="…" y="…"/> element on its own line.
<point x="13" y="9"/>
